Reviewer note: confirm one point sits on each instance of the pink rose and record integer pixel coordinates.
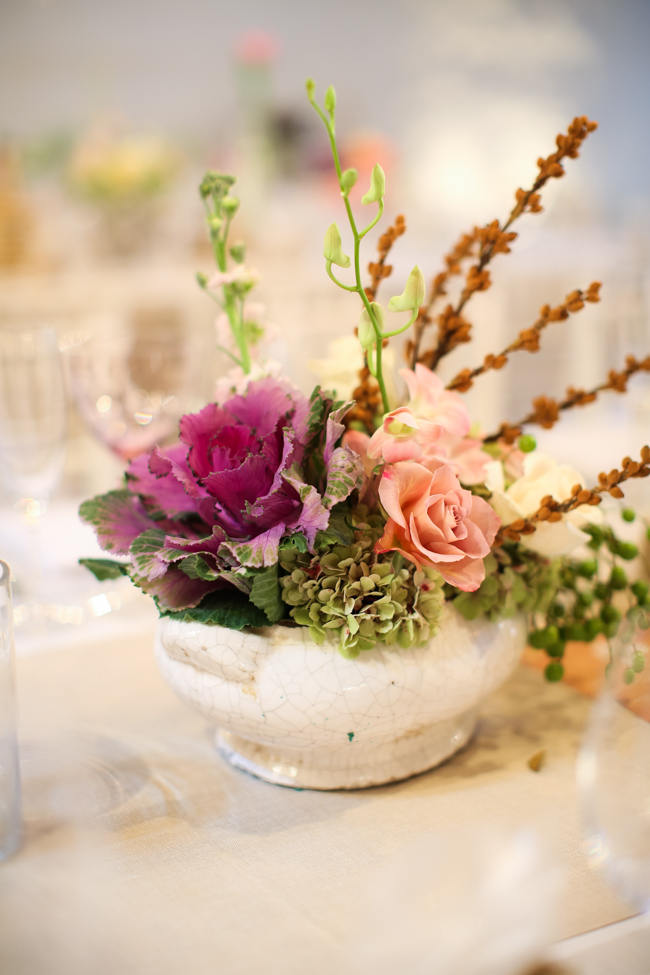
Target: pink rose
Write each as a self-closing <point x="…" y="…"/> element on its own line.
<point x="433" y="521"/>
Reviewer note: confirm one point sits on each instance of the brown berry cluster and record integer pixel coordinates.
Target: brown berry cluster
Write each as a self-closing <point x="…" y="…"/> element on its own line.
<point x="546" y="411"/>
<point x="379" y="269"/>
<point x="551" y="510"/>
<point x="528" y="339"/>
<point x="493" y="238"/>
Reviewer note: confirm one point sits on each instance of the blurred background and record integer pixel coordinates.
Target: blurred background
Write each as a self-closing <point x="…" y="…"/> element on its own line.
<point x="110" y="114"/>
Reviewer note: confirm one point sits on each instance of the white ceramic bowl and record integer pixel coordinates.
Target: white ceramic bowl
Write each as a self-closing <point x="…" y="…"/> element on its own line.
<point x="302" y="715"/>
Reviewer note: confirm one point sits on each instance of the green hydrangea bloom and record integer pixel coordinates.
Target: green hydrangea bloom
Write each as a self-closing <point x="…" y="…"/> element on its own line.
<point x="516" y="581"/>
<point x="360" y="598"/>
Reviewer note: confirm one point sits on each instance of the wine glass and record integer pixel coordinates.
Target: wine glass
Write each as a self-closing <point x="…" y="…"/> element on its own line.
<point x="10" y="811"/>
<point x="614" y="767"/>
<point x="32" y="415"/>
<point x="32" y="447"/>
<point x="131" y="379"/>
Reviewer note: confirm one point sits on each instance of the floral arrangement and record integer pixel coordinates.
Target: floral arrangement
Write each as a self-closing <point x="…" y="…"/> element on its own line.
<point x="121" y="170"/>
<point x="361" y="520"/>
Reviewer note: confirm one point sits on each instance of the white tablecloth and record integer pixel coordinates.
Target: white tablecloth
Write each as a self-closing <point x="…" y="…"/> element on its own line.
<point x="145" y="852"/>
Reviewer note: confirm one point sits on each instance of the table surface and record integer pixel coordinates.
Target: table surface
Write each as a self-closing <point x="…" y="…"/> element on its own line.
<point x="144" y="851"/>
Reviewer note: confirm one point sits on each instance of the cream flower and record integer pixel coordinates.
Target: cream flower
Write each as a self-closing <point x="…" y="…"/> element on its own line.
<point x="542" y="475"/>
<point x="339" y="368"/>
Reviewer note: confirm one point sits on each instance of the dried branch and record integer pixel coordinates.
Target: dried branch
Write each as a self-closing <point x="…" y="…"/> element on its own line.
<point x="551" y="510"/>
<point x="367" y="402"/>
<point x="366" y="395"/>
<point x="546" y="411"/>
<point x="528" y="339"/>
<point x="463" y="249"/>
<point x="492" y="239"/>
<point x="378" y="269"/>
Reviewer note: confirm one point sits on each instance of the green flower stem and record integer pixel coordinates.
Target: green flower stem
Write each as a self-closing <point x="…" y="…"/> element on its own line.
<point x="236" y="319"/>
<point x="332" y="276"/>
<point x="234" y="328"/>
<point x="377" y="373"/>
<point x="398" y="331"/>
<point x="373" y="223"/>
<point x="233" y="309"/>
<point x="225" y="351"/>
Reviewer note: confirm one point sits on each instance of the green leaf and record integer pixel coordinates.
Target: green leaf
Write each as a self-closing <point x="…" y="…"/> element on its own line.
<point x="117" y="519"/>
<point x="413" y="294"/>
<point x="344" y="474"/>
<point x="228" y="608"/>
<point x="104" y="569"/>
<point x="265" y="593"/>
<point x="333" y="248"/>
<point x="338" y="531"/>
<point x="196" y="567"/>
<point x="297" y="542"/>
<point x="321" y="404"/>
<point x="377" y="186"/>
<point x="144" y="550"/>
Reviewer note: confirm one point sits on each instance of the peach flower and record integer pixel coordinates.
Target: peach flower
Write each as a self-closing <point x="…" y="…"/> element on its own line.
<point x="429" y="400"/>
<point x="405" y="435"/>
<point x="434" y="521"/>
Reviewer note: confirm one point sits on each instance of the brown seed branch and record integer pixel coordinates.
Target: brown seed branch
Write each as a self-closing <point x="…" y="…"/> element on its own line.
<point x="551" y="510"/>
<point x="546" y="411"/>
<point x="462" y="249"/>
<point x="366" y="395"/>
<point x="492" y="239"/>
<point x="379" y="269"/>
<point x="528" y="339"/>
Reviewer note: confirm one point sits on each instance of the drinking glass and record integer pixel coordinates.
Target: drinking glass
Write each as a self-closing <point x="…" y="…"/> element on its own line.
<point x="32" y="415"/>
<point x="32" y="450"/>
<point x="10" y="818"/>
<point x="131" y="383"/>
<point x="614" y="768"/>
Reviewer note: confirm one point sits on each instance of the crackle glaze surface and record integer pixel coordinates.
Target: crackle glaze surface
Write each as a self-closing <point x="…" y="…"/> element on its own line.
<point x="298" y="714"/>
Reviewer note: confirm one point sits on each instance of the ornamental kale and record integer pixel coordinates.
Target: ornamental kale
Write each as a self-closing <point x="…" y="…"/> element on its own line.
<point x="210" y="511"/>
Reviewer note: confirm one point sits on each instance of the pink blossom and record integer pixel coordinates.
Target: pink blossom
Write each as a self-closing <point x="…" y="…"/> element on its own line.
<point x="434" y="521"/>
<point x="357" y="441"/>
<point x="239" y="274"/>
<point x="404" y="436"/>
<point x="256" y="47"/>
<point x="513" y="460"/>
<point x="429" y="400"/>
<point x="465" y="455"/>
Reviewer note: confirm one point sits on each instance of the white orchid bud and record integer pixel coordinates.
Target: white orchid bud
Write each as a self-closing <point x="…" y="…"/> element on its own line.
<point x="333" y="249"/>
<point x="365" y="328"/>
<point x="413" y="294"/>
<point x="377" y="186"/>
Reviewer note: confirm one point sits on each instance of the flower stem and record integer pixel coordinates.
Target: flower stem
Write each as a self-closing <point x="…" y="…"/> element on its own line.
<point x="220" y="209"/>
<point x="357" y="236"/>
